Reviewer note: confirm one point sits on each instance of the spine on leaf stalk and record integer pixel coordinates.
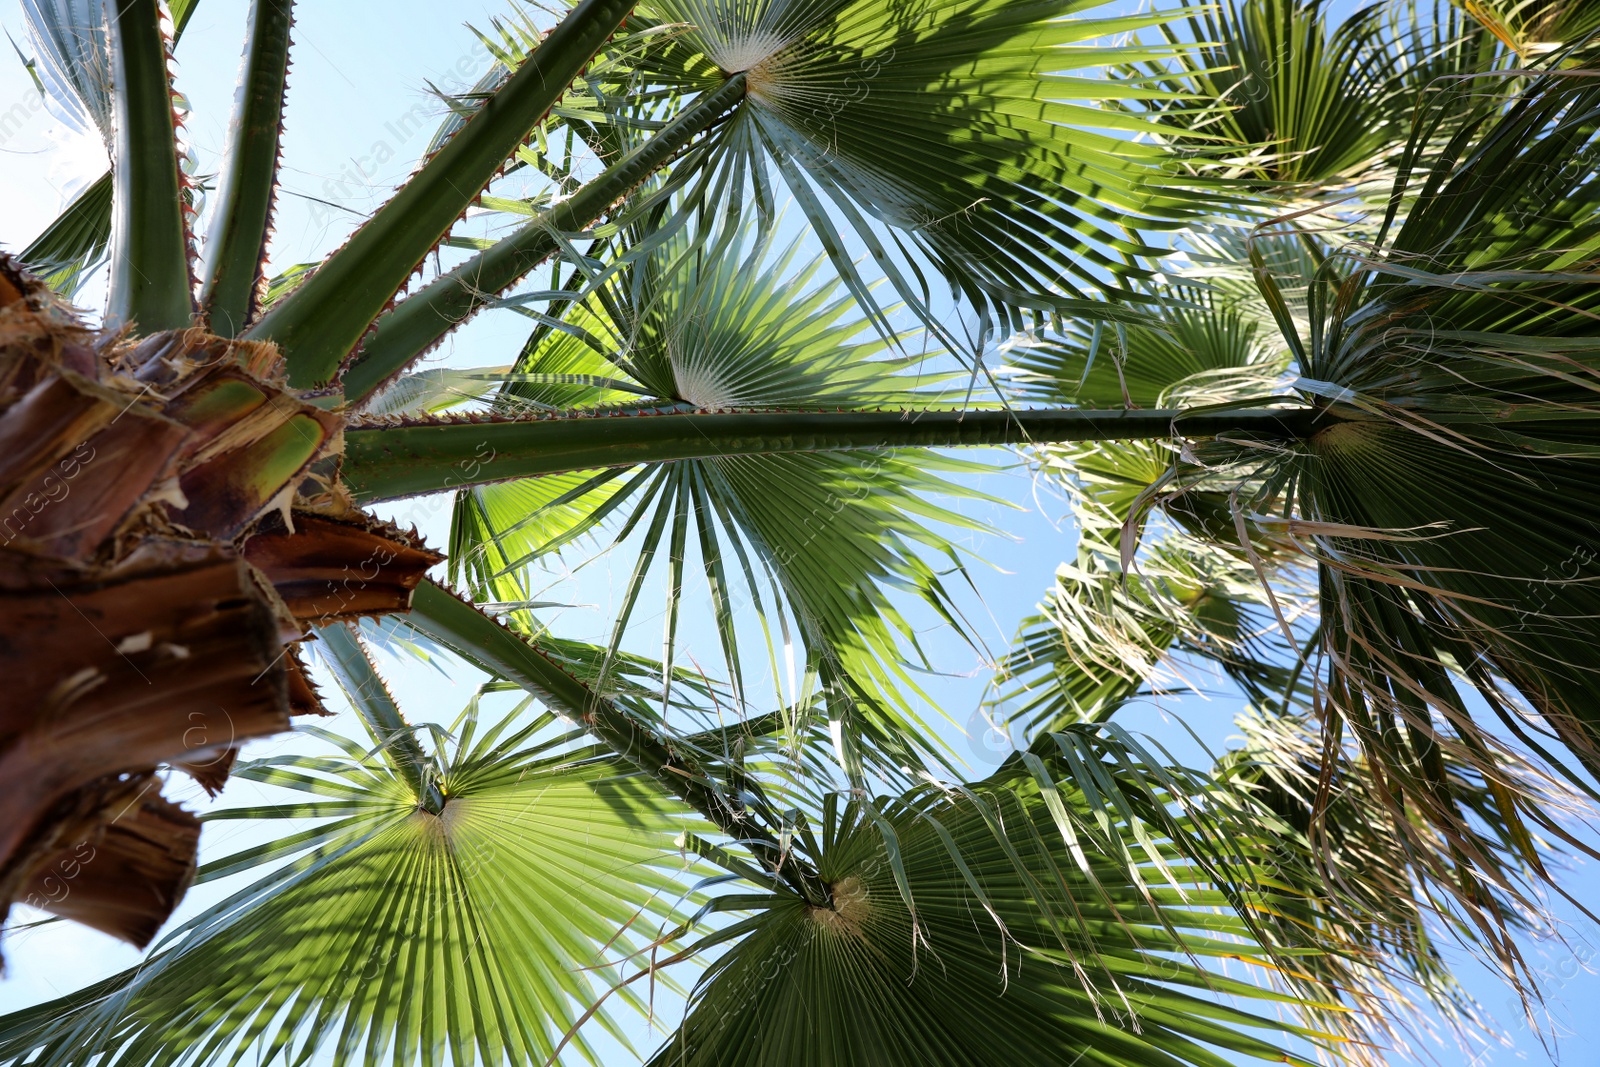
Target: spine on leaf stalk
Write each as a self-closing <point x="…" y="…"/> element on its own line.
<point x="321" y="322"/>
<point x="420" y="321"/>
<point x="237" y="246"/>
<point x="149" y="283"/>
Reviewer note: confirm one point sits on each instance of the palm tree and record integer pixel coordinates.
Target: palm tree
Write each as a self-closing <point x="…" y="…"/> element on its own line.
<point x="190" y="480"/>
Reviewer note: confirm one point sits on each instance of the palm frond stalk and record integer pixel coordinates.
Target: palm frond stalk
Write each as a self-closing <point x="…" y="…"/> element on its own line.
<point x="400" y="458"/>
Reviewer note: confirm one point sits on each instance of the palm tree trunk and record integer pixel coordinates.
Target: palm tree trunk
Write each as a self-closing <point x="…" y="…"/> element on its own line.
<point x="138" y="632"/>
<point x="121" y="877"/>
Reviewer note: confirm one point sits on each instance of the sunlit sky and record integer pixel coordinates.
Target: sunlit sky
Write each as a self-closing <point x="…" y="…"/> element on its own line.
<point x="359" y="115"/>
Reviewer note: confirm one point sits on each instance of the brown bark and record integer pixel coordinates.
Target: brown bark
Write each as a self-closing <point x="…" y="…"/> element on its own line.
<point x="151" y="593"/>
<point x="304" y="699"/>
<point x="121" y="877"/>
<point x="88" y="489"/>
<point x="211" y="772"/>
<point x="329" y="570"/>
<point x="175" y="654"/>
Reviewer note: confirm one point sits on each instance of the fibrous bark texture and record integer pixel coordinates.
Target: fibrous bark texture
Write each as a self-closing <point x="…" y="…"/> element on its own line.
<point x="169" y="532"/>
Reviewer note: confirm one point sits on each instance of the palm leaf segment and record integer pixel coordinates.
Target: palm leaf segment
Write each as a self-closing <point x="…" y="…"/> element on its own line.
<point x="952" y="941"/>
<point x="386" y="932"/>
<point x="815" y="543"/>
<point x="1104" y="637"/>
<point x="1535" y="28"/>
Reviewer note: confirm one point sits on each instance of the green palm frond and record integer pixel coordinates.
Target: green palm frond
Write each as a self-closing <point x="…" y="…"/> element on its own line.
<point x="1311" y="104"/>
<point x="1003" y="170"/>
<point x="74" y="245"/>
<point x="1458" y="365"/>
<point x="950" y="940"/>
<point x="1010" y="177"/>
<point x="819" y="545"/>
<point x="1202" y="339"/>
<point x="1444" y="494"/>
<point x="1310" y="824"/>
<point x="1429" y="430"/>
<point x="381" y="932"/>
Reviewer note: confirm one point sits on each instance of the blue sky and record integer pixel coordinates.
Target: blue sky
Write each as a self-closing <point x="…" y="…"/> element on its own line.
<point x="359" y="115"/>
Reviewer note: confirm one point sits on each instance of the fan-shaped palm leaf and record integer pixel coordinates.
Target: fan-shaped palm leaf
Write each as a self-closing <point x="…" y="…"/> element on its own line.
<point x="947" y="942"/>
<point x="1006" y="175"/>
<point x="1423" y="395"/>
<point x="1204" y="338"/>
<point x="1457" y="370"/>
<point x="816" y="542"/>
<point x="984" y="178"/>
<point x="388" y="929"/>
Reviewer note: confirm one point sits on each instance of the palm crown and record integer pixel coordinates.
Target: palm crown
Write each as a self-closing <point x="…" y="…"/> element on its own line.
<point x="1289" y="360"/>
